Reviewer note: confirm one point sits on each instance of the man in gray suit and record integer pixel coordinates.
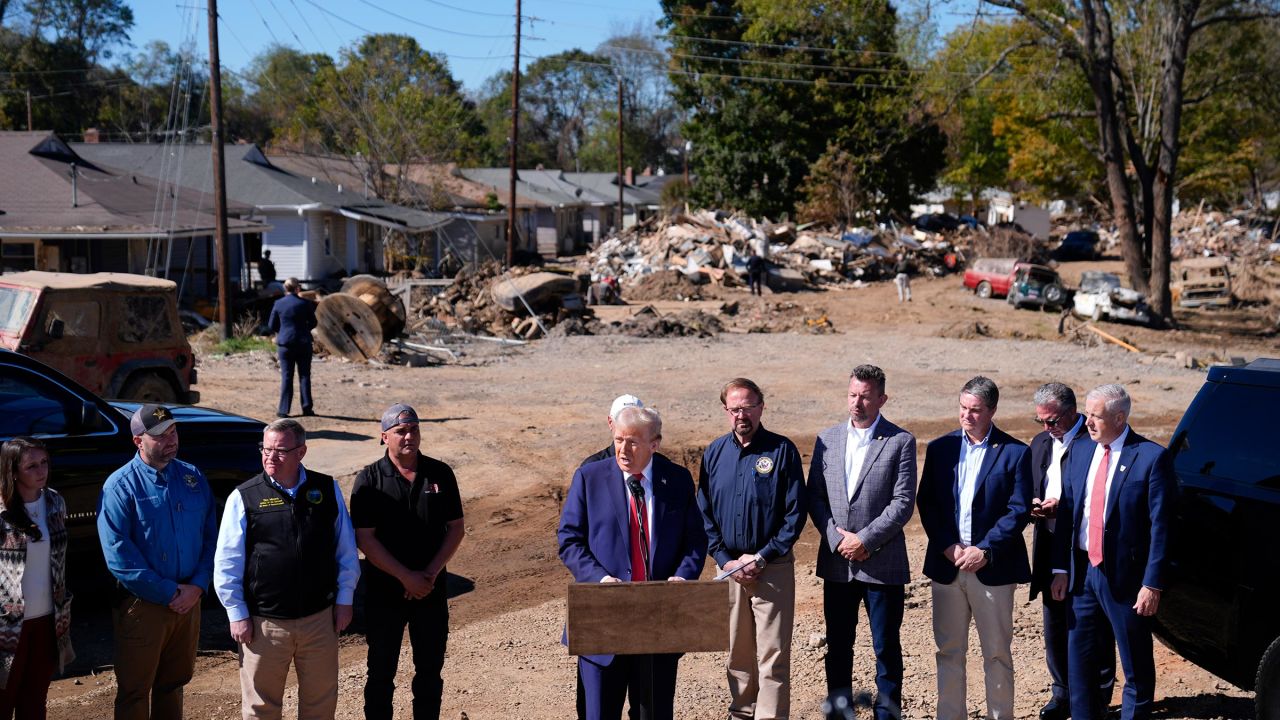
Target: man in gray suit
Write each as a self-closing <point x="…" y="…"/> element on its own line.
<point x="862" y="489"/>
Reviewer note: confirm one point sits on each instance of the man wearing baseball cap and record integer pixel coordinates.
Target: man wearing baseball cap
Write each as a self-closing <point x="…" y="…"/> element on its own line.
<point x="407" y="514"/>
<point x="158" y="526"/>
<point x="620" y="402"/>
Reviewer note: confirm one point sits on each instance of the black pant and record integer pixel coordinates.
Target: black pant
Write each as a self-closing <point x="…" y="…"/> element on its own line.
<point x="428" y="621"/>
<point x="884" y="612"/>
<point x="755" y="282"/>
<point x="292" y="355"/>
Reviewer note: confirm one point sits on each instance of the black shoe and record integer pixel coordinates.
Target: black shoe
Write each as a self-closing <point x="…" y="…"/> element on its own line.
<point x="282" y="415"/>
<point x="1055" y="710"/>
<point x="308" y="413"/>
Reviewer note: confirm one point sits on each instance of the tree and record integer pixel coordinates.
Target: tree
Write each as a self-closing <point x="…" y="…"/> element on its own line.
<point x="92" y="27"/>
<point x="283" y="79"/>
<point x="771" y="86"/>
<point x="1134" y="56"/>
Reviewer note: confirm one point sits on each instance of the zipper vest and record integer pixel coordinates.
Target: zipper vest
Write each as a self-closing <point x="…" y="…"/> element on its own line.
<point x="291" y="569"/>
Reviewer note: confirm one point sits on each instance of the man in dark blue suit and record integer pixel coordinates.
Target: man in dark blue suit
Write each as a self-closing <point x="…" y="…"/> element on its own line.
<point x="1055" y="407"/>
<point x="974" y="500"/>
<point x="603" y="539"/>
<point x="292" y="319"/>
<point x="1119" y="491"/>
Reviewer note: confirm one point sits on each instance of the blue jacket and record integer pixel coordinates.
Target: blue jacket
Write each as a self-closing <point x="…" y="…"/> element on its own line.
<point x="1001" y="508"/>
<point x="292" y="319"/>
<point x="158" y="530"/>
<point x="594" y="534"/>
<point x="1139" y="507"/>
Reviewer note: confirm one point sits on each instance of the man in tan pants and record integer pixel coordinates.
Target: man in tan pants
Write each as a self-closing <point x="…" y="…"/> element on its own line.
<point x="751" y="493"/>
<point x="286" y="571"/>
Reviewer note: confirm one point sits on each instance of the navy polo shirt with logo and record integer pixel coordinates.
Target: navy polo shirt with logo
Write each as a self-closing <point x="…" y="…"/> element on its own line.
<point x="753" y="498"/>
<point x="408" y="519"/>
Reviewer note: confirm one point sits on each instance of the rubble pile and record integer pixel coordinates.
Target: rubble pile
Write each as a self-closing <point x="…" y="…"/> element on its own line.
<point x="711" y="248"/>
<point x="1205" y="234"/>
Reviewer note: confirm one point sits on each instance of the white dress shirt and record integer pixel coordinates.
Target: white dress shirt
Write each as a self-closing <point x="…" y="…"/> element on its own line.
<point x="229" y="558"/>
<point x="971" y="457"/>
<point x="855" y="453"/>
<point x="1082" y="536"/>
<point x="1053" y="474"/>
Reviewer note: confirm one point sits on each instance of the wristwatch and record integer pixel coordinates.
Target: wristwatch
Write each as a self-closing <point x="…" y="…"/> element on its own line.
<point x="760" y="563"/>
<point x="986" y="555"/>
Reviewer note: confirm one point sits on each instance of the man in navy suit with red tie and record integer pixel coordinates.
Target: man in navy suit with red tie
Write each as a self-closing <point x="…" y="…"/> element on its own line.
<point x="1118" y="495"/>
<point x="629" y="519"/>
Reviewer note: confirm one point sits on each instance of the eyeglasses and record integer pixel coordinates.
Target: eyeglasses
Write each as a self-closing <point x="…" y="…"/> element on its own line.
<point x="1047" y="422"/>
<point x="275" y="452"/>
<point x="28" y="528"/>
<point x="739" y="411"/>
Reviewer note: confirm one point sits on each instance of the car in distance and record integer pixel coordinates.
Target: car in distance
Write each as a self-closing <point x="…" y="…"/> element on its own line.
<point x="117" y="334"/>
<point x="89" y="438"/>
<point x="1101" y="296"/>
<point x="1078" y="245"/>
<point x="1037" y="285"/>
<point x="1202" y="282"/>
<point x="1218" y="608"/>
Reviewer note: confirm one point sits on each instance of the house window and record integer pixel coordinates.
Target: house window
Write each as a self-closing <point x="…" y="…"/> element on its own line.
<point x="18" y="256"/>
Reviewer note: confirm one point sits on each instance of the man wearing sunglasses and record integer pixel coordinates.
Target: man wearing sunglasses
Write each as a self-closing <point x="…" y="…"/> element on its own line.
<point x="158" y="527"/>
<point x="1062" y="424"/>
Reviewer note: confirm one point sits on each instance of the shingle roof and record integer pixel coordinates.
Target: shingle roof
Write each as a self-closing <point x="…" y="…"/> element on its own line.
<point x="36" y="196"/>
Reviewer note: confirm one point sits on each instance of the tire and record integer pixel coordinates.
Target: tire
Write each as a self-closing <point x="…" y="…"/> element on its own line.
<point x="1053" y="294"/>
<point x="1267" y="685"/>
<point x="149" y="387"/>
<point x="983" y="290"/>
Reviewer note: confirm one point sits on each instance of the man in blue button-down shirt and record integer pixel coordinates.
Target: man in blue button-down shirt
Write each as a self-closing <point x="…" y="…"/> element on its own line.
<point x="751" y="493"/>
<point x="158" y="527"/>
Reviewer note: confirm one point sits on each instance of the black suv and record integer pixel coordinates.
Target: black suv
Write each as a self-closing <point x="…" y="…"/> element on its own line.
<point x="88" y="438"/>
<point x="1220" y="606"/>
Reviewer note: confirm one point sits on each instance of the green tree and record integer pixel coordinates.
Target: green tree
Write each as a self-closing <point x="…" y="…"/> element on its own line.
<point x="283" y="80"/>
<point x="772" y="86"/>
<point x="91" y="27"/>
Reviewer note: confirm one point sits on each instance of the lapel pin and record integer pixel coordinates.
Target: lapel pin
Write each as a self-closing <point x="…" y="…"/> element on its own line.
<point x="1123" y="468"/>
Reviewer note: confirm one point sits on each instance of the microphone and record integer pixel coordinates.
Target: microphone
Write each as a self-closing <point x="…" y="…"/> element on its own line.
<point x="637" y="490"/>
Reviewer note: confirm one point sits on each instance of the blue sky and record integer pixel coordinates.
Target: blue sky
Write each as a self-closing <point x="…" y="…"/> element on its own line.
<point x="476" y="35"/>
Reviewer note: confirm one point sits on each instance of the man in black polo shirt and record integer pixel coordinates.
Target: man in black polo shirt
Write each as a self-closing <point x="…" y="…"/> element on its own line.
<point x="408" y="519"/>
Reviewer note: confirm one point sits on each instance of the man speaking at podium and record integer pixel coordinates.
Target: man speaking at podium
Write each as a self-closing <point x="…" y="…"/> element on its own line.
<point x="628" y="519"/>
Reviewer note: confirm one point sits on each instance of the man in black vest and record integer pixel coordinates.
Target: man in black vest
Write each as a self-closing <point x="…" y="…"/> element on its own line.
<point x="286" y="571"/>
<point x="408" y="518"/>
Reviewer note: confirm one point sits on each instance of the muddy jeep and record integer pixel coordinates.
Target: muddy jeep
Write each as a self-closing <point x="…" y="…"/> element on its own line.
<point x="1202" y="282"/>
<point x="117" y="334"/>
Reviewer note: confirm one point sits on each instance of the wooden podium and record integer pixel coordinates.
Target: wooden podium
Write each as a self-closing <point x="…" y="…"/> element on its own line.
<point x="674" y="617"/>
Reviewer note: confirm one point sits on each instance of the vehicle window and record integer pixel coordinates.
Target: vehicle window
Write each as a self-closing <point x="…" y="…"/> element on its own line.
<point x="1233" y="437"/>
<point x="15" y="305"/>
<point x="27" y="407"/>
<point x="79" y="317"/>
<point x="146" y="319"/>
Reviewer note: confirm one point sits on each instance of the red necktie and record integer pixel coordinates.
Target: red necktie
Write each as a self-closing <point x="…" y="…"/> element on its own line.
<point x="1098" y="508"/>
<point x="639" y="544"/>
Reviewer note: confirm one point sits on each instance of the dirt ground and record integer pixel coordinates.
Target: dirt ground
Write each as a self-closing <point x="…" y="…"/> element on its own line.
<point x="515" y="422"/>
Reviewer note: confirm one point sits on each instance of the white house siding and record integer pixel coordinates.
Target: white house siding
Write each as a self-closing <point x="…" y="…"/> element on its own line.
<point x="287" y="242"/>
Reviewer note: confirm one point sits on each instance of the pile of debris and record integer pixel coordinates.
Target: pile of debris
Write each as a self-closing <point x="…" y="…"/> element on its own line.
<point x="710" y="247"/>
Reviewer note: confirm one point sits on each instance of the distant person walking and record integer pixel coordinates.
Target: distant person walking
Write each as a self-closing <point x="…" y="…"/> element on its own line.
<point x="755" y="273"/>
<point x="902" y="280"/>
<point x="292" y="319"/>
<point x="34" y="631"/>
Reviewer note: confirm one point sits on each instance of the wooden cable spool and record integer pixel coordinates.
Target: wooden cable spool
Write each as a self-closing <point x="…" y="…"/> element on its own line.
<point x="388" y="308"/>
<point x="348" y="327"/>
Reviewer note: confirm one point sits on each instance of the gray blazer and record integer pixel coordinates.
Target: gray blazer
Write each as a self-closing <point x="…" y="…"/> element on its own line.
<point x="882" y="504"/>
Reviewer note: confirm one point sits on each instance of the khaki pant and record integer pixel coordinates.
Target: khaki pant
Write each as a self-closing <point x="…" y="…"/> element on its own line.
<point x="760" y="624"/>
<point x="155" y="655"/>
<point x="991" y="609"/>
<point x="311" y="644"/>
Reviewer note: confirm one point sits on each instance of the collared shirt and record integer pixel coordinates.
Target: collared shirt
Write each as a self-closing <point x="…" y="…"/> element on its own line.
<point x="1053" y="473"/>
<point x="971" y="456"/>
<point x="228" y="572"/>
<point x="752" y="498"/>
<point x="1083" y="536"/>
<point x="158" y="528"/>
<point x="855" y="453"/>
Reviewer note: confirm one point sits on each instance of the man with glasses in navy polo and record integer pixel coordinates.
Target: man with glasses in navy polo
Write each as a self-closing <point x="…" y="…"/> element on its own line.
<point x="752" y="496"/>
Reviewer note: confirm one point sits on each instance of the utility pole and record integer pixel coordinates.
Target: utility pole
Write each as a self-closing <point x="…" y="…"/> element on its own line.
<point x="219" y="176"/>
<point x="29" y="128"/>
<point x="621" y="179"/>
<point x="515" y="142"/>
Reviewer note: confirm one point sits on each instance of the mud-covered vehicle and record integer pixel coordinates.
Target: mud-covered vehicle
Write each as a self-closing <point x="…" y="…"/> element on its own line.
<point x="1202" y="282"/>
<point x="117" y="334"/>
<point x="1101" y="296"/>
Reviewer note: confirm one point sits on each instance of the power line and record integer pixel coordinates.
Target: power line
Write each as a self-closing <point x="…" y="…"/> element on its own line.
<point x="398" y="16"/>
